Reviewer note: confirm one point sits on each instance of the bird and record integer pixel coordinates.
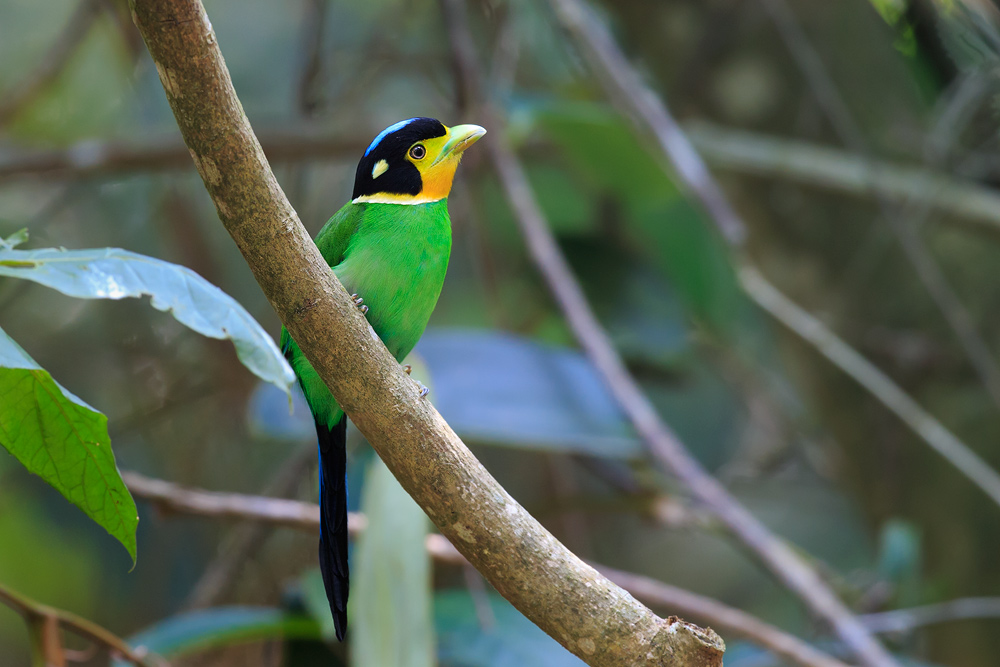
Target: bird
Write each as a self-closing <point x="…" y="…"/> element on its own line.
<point x="389" y="246"/>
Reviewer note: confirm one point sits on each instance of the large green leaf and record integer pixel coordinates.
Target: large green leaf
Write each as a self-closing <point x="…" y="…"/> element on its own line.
<point x="64" y="441"/>
<point x="391" y="585"/>
<point x="112" y="273"/>
<point x="222" y="626"/>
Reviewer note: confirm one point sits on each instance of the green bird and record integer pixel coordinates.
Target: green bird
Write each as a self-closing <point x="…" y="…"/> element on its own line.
<point x="389" y="246"/>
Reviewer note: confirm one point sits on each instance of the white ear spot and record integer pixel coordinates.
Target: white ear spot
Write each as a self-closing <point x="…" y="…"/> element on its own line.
<point x="379" y="168"/>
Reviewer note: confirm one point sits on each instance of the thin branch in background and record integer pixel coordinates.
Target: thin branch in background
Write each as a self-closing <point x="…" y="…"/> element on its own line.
<point x="678" y="600"/>
<point x="305" y="516"/>
<point x="52" y="63"/>
<point x="726" y="148"/>
<point x="624" y="84"/>
<point x="905" y="620"/>
<point x="871" y="378"/>
<point x="91" y="158"/>
<point x="218" y="579"/>
<point x="46" y="622"/>
<point x="649" y="112"/>
<point x="171" y="497"/>
<point x="928" y="271"/>
<point x="310" y="89"/>
<point x="835" y="169"/>
<point x="308" y="95"/>
<point x="480" y="597"/>
<point x="786" y="158"/>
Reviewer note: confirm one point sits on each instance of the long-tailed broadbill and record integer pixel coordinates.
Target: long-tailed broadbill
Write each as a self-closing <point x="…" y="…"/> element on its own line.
<point x="389" y="246"/>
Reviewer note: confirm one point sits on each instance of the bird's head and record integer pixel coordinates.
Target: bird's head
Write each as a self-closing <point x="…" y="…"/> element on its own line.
<point x="412" y="162"/>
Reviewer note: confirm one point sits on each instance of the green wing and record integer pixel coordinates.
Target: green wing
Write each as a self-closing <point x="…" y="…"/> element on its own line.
<point x="332" y="241"/>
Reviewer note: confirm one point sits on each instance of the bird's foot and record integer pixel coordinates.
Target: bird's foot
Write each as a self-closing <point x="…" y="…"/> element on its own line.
<point x="360" y="303"/>
<point x="407" y="368"/>
<point x="423" y="388"/>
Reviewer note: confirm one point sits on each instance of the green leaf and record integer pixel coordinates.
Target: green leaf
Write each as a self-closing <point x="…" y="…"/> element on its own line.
<point x="112" y="273"/>
<point x="605" y="150"/>
<point x="391" y="600"/>
<point x="64" y="441"/>
<point x="15" y="239"/>
<point x="665" y="225"/>
<point x="507" y="640"/>
<point x="221" y="626"/>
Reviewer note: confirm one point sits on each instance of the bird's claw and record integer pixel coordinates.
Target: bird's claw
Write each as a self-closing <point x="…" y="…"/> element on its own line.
<point x="423" y="388"/>
<point x="407" y="368"/>
<point x="359" y="302"/>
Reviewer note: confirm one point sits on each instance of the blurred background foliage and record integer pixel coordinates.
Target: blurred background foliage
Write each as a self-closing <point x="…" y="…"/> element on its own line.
<point x="805" y="448"/>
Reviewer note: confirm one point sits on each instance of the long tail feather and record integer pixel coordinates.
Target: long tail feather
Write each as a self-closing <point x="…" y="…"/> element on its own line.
<point x="333" y="519"/>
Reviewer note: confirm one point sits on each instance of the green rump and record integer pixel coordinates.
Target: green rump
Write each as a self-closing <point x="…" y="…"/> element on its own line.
<point x="395" y="257"/>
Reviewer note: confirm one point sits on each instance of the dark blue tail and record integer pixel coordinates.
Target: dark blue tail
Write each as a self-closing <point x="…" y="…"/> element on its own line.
<point x="333" y="519"/>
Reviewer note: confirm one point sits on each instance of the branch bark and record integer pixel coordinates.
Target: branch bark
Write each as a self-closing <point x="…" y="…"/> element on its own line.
<point x="303" y="516"/>
<point x="568" y="599"/>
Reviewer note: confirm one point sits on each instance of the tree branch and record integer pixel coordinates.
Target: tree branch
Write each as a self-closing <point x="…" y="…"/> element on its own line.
<point x="304" y="516"/>
<point x="222" y="573"/>
<point x="650" y="114"/>
<point x="904" y="620"/>
<point x="45" y="622"/>
<point x="851" y="362"/>
<point x="564" y="596"/>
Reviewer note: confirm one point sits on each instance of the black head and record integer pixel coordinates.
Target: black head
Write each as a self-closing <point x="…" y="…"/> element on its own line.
<point x="397" y="175"/>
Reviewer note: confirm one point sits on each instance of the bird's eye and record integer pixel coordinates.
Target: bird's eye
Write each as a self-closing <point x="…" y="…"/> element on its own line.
<point x="417" y="152"/>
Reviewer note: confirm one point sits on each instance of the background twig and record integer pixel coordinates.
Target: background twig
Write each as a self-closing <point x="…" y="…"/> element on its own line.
<point x="906" y="231"/>
<point x="648" y="111"/>
<point x="305" y="516"/>
<point x="46" y="621"/>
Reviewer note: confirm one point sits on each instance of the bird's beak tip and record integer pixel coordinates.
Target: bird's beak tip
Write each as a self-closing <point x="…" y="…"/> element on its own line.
<point x="463" y="136"/>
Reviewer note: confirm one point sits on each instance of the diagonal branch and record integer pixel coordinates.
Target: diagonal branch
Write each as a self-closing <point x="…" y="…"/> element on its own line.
<point x="871" y="378"/>
<point x="648" y="111"/>
<point x="926" y="267"/>
<point x="303" y="516"/>
<point x="619" y="77"/>
<point x="565" y="597"/>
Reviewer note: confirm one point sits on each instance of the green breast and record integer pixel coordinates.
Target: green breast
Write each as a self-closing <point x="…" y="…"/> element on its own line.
<point x="396" y="260"/>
